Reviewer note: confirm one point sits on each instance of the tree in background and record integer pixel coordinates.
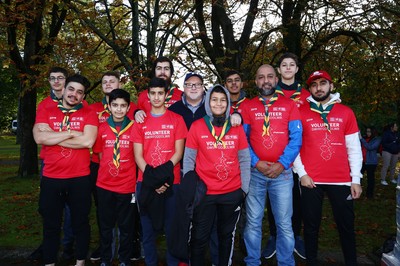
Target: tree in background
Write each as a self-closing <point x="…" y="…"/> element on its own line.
<point x="31" y="27"/>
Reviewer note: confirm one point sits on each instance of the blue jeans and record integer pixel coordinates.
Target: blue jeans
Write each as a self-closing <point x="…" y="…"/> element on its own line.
<point x="280" y="193"/>
<point x="150" y="236"/>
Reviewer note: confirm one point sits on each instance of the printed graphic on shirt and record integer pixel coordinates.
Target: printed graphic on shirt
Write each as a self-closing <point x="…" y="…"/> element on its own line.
<point x="222" y="167"/>
<point x="66" y="152"/>
<point x="326" y="148"/>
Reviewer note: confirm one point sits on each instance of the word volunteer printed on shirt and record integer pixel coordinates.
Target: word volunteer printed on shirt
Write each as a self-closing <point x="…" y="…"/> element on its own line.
<point x="220" y="168"/>
<point x="331" y="145"/>
<point x="158" y="135"/>
<point x="63" y="162"/>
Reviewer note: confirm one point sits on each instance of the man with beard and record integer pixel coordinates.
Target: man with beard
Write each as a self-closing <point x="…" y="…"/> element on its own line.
<point x="68" y="130"/>
<point x="109" y="82"/>
<point x="330" y="141"/>
<point x="57" y="77"/>
<point x="162" y="68"/>
<point x="273" y="127"/>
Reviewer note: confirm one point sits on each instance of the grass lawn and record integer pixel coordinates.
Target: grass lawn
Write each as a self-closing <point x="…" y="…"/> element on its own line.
<point x="20" y="223"/>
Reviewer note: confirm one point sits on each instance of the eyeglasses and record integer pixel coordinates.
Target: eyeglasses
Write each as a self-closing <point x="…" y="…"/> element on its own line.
<point x="60" y="78"/>
<point x="236" y="80"/>
<point x="193" y="85"/>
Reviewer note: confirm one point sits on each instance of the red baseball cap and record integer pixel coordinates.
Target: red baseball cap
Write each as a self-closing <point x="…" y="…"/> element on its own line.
<point x="318" y="75"/>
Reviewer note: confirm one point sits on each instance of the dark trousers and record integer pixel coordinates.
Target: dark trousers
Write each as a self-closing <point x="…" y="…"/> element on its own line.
<point x="227" y="207"/>
<point x="54" y="194"/>
<point x="370" y="169"/>
<point x="115" y="209"/>
<point x="296" y="217"/>
<point x="343" y="212"/>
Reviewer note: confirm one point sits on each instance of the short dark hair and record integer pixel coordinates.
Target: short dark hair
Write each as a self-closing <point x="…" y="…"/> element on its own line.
<point x="79" y="79"/>
<point x="112" y="73"/>
<point x="119" y="94"/>
<point x="162" y="59"/>
<point x="158" y="83"/>
<point x="219" y="89"/>
<point x="58" y="69"/>
<point x="232" y="72"/>
<point x="288" y="55"/>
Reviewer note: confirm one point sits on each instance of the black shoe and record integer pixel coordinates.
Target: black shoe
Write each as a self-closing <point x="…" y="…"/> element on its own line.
<point x="96" y="255"/>
<point x="68" y="253"/>
<point x="137" y="251"/>
<point x="37" y="254"/>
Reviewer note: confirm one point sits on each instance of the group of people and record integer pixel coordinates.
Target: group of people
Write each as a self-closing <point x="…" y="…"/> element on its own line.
<point x="388" y="146"/>
<point x="192" y="164"/>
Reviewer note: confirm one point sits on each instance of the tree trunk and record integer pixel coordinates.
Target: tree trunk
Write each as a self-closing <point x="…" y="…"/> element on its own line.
<point x="28" y="161"/>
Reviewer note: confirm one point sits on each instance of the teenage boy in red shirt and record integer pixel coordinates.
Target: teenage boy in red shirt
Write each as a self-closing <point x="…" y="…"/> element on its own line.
<point x="220" y="156"/>
<point x="68" y="130"/>
<point x="109" y="82"/>
<point x="116" y="180"/>
<point x="158" y="148"/>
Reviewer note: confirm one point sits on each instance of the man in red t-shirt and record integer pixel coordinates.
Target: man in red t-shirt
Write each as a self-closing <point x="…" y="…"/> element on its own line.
<point x="162" y="68"/>
<point x="288" y="66"/>
<point x="57" y="77"/>
<point x="68" y="130"/>
<point x="158" y="148"/>
<point x="330" y="162"/>
<point x="273" y="128"/>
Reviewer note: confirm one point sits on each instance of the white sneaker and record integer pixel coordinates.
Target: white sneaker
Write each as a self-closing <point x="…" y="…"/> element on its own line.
<point x="393" y="181"/>
<point x="383" y="182"/>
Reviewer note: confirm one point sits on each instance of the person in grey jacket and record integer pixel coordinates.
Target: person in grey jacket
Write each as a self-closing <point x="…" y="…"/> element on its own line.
<point x="370" y="145"/>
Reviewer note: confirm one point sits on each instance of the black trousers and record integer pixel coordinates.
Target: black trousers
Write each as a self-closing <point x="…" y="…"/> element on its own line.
<point x="343" y="212"/>
<point x="296" y="217"/>
<point x="370" y="168"/>
<point x="54" y="194"/>
<point x="227" y="207"/>
<point x="115" y="209"/>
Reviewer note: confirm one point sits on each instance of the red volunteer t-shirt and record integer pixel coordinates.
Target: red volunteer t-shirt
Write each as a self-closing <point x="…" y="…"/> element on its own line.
<point x="98" y="108"/>
<point x="238" y="106"/>
<point x="122" y="179"/>
<point x="299" y="101"/>
<point x="48" y="101"/>
<point x="60" y="162"/>
<point x="270" y="147"/>
<point x="158" y="136"/>
<point x="324" y="154"/>
<point x="218" y="166"/>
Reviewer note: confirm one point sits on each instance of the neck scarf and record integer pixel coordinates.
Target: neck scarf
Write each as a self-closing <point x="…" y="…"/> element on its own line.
<point x="54" y="97"/>
<point x="295" y="96"/>
<point x="170" y="93"/>
<point x="105" y="106"/>
<point x="225" y="129"/>
<point x="317" y="107"/>
<point x="236" y="105"/>
<point x="266" y="116"/>
<point x="66" y="113"/>
<point x="126" y="124"/>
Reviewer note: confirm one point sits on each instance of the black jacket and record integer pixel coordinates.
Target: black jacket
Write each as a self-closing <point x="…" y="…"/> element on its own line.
<point x="181" y="109"/>
<point x="150" y="202"/>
